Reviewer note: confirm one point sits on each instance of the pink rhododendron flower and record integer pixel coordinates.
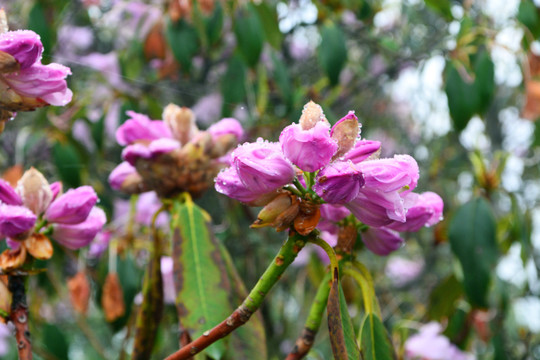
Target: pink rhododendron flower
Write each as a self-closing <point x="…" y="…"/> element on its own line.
<point x="73" y="207"/>
<point x="382" y="241"/>
<point x="430" y="344"/>
<point x="426" y="211"/>
<point x="75" y="236"/>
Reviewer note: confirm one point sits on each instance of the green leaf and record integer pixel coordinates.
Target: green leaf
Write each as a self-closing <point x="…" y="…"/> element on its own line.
<point x="269" y="19"/>
<point x="97" y="130"/>
<point x="214" y="24"/>
<point x="151" y="309"/>
<point x="472" y="96"/>
<point x="249" y="340"/>
<point x="249" y="34"/>
<point x="68" y="163"/>
<point x="37" y="21"/>
<point x="183" y="41"/>
<point x="443" y="298"/>
<point x="55" y="341"/>
<point x="332" y="51"/>
<point x="262" y="89"/>
<point x="200" y="274"/>
<point x="340" y="327"/>
<point x="528" y="16"/>
<point x="375" y="342"/>
<point x="283" y="80"/>
<point x="442" y="7"/>
<point x="472" y="238"/>
<point x="233" y="85"/>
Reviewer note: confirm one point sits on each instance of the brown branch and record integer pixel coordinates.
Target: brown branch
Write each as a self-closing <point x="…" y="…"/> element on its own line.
<point x="303" y="344"/>
<point x="19" y="316"/>
<point x="238" y="318"/>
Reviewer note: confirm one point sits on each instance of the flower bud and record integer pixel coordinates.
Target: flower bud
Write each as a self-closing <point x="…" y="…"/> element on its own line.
<point x="73" y="207"/>
<point x="181" y="122"/>
<point x="279" y="213"/>
<point x="339" y="182"/>
<point x="35" y="191"/>
<point x="426" y="211"/>
<point x="345" y="133"/>
<point x="79" y="291"/>
<point x="382" y="241"/>
<point x="112" y="298"/>
<point x="227" y="126"/>
<point x="261" y="167"/>
<point x="24" y="45"/>
<point x="80" y="235"/>
<point x="56" y="189"/>
<point x="311" y="115"/>
<point x="8" y="194"/>
<point x="309" y="149"/>
<point x="125" y="178"/>
<point x="39" y="246"/>
<point x="139" y="127"/>
<point x="16" y="221"/>
<point x="390" y="174"/>
<point x="363" y="150"/>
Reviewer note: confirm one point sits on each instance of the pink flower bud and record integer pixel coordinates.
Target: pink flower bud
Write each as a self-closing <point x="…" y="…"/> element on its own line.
<point x="338" y="182"/>
<point x="140" y="127"/>
<point x="8" y="194"/>
<point x="390" y="174"/>
<point x="76" y="236"/>
<point x="24" y="45"/>
<point x="228" y="183"/>
<point x="15" y="220"/>
<point x="120" y="174"/>
<point x="426" y="211"/>
<point x="181" y="122"/>
<point x="382" y="241"/>
<point x="261" y="166"/>
<point x="362" y="150"/>
<point x="310" y="149"/>
<point x="42" y="83"/>
<point x="73" y="207"/>
<point x="225" y="127"/>
<point x="375" y="208"/>
<point x="312" y="114"/>
<point x="56" y="189"/>
<point x="35" y="191"/>
<point x="345" y="132"/>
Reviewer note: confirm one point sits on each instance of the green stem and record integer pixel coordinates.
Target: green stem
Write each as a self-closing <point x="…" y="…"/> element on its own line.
<point x="299" y="186"/>
<point x="283" y="259"/>
<point x="313" y="321"/>
<point x="293" y="190"/>
<point x="329" y="251"/>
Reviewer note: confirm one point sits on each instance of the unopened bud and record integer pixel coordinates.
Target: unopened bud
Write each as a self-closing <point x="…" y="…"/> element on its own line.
<point x="112" y="298"/>
<point x="39" y="246"/>
<point x="35" y="191"/>
<point x="279" y="213"/>
<point x="345" y="132"/>
<point x="311" y="115"/>
<point x="181" y="121"/>
<point x="79" y="291"/>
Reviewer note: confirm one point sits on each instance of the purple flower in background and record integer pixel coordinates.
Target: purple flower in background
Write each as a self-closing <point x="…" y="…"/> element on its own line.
<point x="430" y="344"/>
<point x="309" y="149"/>
<point x="227" y="126"/>
<point x="261" y="166"/>
<point x="169" y="292"/>
<point x="73" y="207"/>
<point x="139" y="127"/>
<point x="402" y="271"/>
<point x="75" y="236"/>
<point x="100" y="244"/>
<point x="147" y="205"/>
<point x="5" y="334"/>
<point x="381" y="241"/>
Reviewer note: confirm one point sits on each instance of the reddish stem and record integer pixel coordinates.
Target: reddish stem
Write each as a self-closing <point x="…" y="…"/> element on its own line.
<point x="19" y="316"/>
<point x="303" y="344"/>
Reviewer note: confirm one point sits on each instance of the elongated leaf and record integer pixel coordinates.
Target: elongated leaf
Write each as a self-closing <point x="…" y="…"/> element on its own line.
<point x="442" y="299"/>
<point x="68" y="162"/>
<point x="376" y="344"/>
<point x="340" y="326"/>
<point x="472" y="238"/>
<point x="249" y="340"/>
<point x="233" y="85"/>
<point x="269" y="19"/>
<point x="332" y="51"/>
<point x="151" y="309"/>
<point x="200" y="275"/>
<point x="249" y="34"/>
<point x="283" y="80"/>
<point x="214" y="24"/>
<point x="38" y="22"/>
<point x="183" y="41"/>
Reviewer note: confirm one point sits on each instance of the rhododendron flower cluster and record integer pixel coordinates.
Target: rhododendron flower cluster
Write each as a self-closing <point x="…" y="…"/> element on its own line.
<point x="430" y="344"/>
<point x="317" y="175"/>
<point x="25" y="83"/>
<point x="172" y="155"/>
<point x="34" y="210"/>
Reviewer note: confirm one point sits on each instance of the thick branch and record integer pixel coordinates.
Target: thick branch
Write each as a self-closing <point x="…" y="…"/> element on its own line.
<point x="313" y="322"/>
<point x="19" y="316"/>
<point x="241" y="315"/>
